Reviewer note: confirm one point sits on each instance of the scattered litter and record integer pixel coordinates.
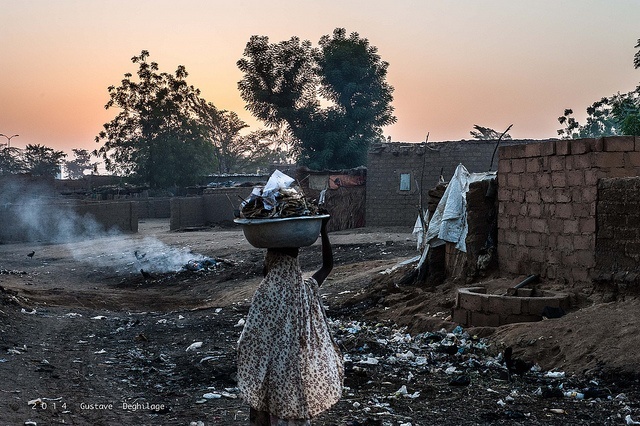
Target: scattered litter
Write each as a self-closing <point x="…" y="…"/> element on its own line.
<point x="101" y="351"/>
<point x="194" y="346"/>
<point x="212" y="395"/>
<point x="240" y="323"/>
<point x="629" y="421"/>
<point x="99" y="317"/>
<point x="73" y="315"/>
<point x="555" y="374"/>
<point x="24" y="311"/>
<point x="197" y="265"/>
<point x="370" y="361"/>
<point x="229" y="395"/>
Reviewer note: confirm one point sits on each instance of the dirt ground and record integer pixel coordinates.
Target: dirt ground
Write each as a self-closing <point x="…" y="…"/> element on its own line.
<point x="87" y="339"/>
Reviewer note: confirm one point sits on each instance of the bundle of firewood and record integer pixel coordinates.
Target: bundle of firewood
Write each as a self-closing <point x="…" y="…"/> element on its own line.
<point x="289" y="202"/>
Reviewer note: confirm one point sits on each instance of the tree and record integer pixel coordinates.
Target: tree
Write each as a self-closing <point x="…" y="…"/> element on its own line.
<point x="618" y="114"/>
<point x="486" y="133"/>
<point x="615" y="115"/>
<point x="11" y="161"/>
<point x="158" y="137"/>
<point x="80" y="163"/>
<point x="40" y="160"/>
<point x="284" y="83"/>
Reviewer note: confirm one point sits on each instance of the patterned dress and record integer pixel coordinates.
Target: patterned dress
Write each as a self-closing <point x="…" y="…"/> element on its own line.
<point x="288" y="363"/>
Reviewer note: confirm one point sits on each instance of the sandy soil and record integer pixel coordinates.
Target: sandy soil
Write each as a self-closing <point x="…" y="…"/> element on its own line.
<point x="86" y="339"/>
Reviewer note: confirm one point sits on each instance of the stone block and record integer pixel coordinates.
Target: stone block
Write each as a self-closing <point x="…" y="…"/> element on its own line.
<point x="619" y="143"/>
<point x="547" y="148"/>
<point x="581" y="146"/>
<point x="461" y="316"/>
<point x="480" y="319"/>
<point x="502" y="305"/>
<point x="518" y="165"/>
<point x="558" y="179"/>
<point x="557" y="163"/>
<point x="562" y="147"/>
<point x="608" y="160"/>
<point x="533" y="149"/>
<point x="471" y="301"/>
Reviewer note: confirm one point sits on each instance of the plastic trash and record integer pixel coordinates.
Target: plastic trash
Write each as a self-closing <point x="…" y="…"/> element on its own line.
<point x="193" y="346"/>
<point x="629" y="421"/>
<point x="212" y="395"/>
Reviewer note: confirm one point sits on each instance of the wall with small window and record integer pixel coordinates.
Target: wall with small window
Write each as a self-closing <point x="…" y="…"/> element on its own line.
<point x="400" y="175"/>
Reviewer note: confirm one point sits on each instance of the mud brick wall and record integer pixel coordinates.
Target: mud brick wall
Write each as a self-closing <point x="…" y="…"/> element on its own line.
<point x="547" y="195"/>
<point x="156" y="207"/>
<point x="388" y="205"/>
<point x="215" y="206"/>
<point x="53" y="220"/>
<point x="187" y="212"/>
<point x="111" y="215"/>
<point x="618" y="232"/>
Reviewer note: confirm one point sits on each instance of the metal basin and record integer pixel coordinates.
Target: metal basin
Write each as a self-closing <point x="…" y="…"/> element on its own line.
<point x="299" y="231"/>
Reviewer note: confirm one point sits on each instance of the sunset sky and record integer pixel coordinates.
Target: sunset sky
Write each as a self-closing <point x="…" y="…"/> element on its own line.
<point x="453" y="63"/>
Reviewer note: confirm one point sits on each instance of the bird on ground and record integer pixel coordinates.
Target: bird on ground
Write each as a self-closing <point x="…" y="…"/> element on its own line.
<point x="515" y="365"/>
<point x="31" y="254"/>
<point x="146" y="275"/>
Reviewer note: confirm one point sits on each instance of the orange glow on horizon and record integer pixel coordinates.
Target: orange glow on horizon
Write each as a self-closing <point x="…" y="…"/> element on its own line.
<point x="453" y="64"/>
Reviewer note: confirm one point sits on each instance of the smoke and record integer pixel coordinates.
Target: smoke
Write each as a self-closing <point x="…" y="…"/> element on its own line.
<point x="34" y="213"/>
<point x="128" y="254"/>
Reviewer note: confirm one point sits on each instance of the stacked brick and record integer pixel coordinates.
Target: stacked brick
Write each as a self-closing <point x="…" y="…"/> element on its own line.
<point x="547" y="194"/>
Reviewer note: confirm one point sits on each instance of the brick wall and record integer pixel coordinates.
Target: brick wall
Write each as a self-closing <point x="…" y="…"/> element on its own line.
<point x="547" y="193"/>
<point x="618" y="231"/>
<point x="388" y="205"/>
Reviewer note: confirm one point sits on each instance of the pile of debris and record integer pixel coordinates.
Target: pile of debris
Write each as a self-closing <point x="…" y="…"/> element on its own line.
<point x="388" y="370"/>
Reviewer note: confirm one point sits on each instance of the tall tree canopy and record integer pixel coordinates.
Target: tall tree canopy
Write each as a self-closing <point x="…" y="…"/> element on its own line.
<point x="285" y="84"/>
<point x="40" y="160"/>
<point x="157" y="137"/>
<point x="11" y="161"/>
<point x="618" y="114"/>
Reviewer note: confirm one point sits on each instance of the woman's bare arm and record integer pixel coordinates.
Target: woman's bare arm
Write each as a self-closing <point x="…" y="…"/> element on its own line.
<point x="327" y="255"/>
